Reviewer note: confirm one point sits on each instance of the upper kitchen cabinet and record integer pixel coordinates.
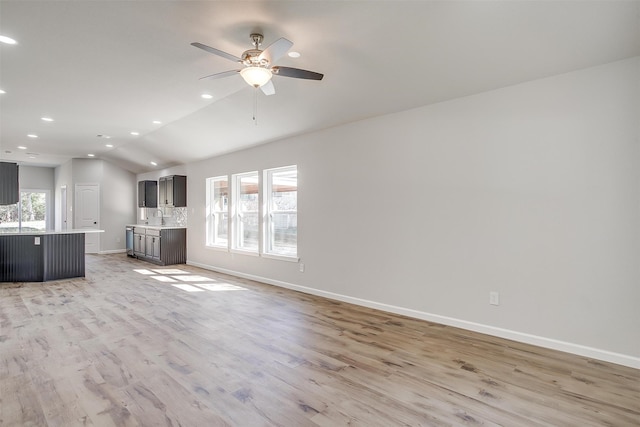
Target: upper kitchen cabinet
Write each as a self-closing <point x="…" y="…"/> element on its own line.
<point x="9" y="188"/>
<point x="147" y="194"/>
<point x="173" y="191"/>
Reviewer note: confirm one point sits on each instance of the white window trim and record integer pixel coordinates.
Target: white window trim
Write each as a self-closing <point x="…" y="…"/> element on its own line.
<point x="267" y="190"/>
<point x="234" y="215"/>
<point x="245" y="252"/>
<point x="281" y="257"/>
<point x="48" y="210"/>
<point x="218" y="246"/>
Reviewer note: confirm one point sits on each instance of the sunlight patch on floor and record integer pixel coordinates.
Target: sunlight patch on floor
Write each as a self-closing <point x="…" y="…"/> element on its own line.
<point x="164" y="279"/>
<point x="216" y="287"/>
<point x="175" y="275"/>
<point x="188" y="288"/>
<point x="144" y="271"/>
<point x="170" y="271"/>
<point x="194" y="278"/>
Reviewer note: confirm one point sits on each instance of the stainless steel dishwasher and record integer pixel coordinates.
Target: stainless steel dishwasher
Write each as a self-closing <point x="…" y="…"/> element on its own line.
<point x="129" y="240"/>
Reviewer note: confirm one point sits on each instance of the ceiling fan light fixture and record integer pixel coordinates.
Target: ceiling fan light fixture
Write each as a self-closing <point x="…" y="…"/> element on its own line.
<point x="256" y="76"/>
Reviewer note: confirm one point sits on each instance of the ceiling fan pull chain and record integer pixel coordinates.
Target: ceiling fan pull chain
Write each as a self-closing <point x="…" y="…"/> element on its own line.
<point x="255" y="106"/>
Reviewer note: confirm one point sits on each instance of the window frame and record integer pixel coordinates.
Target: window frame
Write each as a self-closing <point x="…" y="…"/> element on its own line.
<point x="267" y="237"/>
<point x="236" y="232"/>
<point x="48" y="212"/>
<point x="212" y="219"/>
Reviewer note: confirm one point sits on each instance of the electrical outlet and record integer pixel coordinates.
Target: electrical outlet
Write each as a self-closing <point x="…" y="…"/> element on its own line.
<point x="301" y="267"/>
<point x="494" y="298"/>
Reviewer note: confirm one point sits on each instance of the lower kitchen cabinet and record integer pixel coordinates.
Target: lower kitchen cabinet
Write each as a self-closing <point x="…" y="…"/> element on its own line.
<point x="152" y="246"/>
<point x="163" y="246"/>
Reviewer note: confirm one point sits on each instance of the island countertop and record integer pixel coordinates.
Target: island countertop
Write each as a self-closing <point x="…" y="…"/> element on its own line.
<point x="12" y="232"/>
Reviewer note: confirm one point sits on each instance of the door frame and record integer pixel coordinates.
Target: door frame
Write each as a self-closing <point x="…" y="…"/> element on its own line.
<point x="76" y="211"/>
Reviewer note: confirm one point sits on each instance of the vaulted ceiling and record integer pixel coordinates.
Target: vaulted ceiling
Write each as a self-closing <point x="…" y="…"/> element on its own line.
<point x="113" y="67"/>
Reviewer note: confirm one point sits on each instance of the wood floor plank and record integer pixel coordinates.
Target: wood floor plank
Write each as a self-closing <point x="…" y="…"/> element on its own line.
<point x="125" y="347"/>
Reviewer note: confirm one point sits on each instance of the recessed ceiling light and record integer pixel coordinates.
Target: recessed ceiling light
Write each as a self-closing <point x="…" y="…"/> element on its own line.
<point x="32" y="135"/>
<point x="206" y="96"/>
<point x="91" y="155"/>
<point x="47" y="119"/>
<point x="154" y="163"/>
<point x="134" y="133"/>
<point x="294" y="54"/>
<point x="109" y="145"/>
<point x="7" y="40"/>
<point x="157" y="122"/>
<point x="32" y="157"/>
<point x="22" y="147"/>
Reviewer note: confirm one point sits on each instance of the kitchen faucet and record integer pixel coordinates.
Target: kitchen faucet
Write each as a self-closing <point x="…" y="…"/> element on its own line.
<point x="161" y="216"/>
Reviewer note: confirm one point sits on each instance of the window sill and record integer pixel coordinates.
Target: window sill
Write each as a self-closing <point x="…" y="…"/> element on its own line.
<point x="243" y="252"/>
<point x="281" y="257"/>
<point x="218" y="248"/>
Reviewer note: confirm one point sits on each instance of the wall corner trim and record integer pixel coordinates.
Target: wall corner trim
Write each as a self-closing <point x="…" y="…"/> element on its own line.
<point x="550" y="343"/>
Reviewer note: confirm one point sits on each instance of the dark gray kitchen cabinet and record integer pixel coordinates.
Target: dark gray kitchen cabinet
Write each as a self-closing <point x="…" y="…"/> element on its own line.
<point x="173" y="191"/>
<point x="163" y="246"/>
<point x="152" y="249"/>
<point x="147" y="194"/>
<point x="9" y="187"/>
<point x="139" y="241"/>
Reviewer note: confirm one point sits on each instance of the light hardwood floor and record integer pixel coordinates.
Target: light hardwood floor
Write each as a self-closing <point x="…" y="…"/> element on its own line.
<point x="133" y="344"/>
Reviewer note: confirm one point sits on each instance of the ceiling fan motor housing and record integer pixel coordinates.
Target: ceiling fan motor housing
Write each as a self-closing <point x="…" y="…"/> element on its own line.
<point x="251" y="58"/>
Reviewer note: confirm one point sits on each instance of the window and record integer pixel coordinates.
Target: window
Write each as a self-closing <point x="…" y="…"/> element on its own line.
<point x="31" y="213"/>
<point x="218" y="211"/>
<point x="245" y="206"/>
<point x="9" y="217"/>
<point x="281" y="216"/>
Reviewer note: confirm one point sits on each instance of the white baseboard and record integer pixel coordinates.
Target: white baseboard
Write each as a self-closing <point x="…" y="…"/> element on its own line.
<point x="577" y="349"/>
<point x="113" y="251"/>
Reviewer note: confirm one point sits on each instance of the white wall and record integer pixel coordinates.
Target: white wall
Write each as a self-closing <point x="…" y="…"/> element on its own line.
<point x="532" y="191"/>
<point x="117" y="194"/>
<point x="34" y="177"/>
<point x="63" y="177"/>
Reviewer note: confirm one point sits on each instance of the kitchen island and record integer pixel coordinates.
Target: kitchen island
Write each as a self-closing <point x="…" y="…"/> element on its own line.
<point x="39" y="256"/>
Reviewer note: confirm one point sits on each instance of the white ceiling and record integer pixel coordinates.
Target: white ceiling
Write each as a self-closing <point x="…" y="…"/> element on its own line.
<point x="112" y="67"/>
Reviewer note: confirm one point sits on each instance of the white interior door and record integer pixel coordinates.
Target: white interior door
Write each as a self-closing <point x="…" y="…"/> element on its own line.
<point x="87" y="214"/>
<point x="63" y="207"/>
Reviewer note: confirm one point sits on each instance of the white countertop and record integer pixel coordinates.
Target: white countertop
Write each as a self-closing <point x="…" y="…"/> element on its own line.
<point x="45" y="232"/>
<point x="156" y="227"/>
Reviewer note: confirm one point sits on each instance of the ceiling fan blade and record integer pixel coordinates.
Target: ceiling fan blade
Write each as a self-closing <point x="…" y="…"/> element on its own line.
<point x="216" y="52"/>
<point x="220" y="75"/>
<point x="268" y="88"/>
<point x="276" y="50"/>
<point x="296" y="73"/>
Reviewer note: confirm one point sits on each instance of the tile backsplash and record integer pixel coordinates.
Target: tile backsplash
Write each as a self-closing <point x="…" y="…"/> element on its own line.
<point x="179" y="215"/>
<point x="174" y="217"/>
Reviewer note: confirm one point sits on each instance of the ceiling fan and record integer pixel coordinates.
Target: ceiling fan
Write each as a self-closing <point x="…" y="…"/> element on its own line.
<point x="258" y="64"/>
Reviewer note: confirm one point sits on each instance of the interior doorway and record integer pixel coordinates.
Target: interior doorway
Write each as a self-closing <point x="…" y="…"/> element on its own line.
<point x="87" y="214"/>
